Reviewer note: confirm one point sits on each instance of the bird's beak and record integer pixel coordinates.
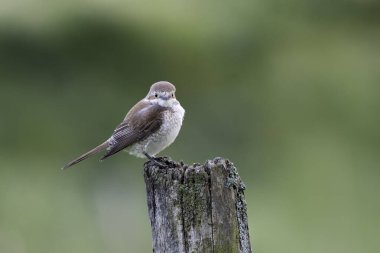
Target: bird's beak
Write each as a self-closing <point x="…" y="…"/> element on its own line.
<point x="166" y="97"/>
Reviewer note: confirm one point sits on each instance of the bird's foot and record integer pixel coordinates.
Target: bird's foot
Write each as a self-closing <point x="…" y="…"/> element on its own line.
<point x="154" y="160"/>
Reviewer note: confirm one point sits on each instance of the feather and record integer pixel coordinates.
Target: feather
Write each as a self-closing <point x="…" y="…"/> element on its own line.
<point x="93" y="151"/>
<point x="142" y="120"/>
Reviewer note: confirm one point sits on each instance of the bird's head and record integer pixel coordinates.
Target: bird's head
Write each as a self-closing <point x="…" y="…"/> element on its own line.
<point x="162" y="93"/>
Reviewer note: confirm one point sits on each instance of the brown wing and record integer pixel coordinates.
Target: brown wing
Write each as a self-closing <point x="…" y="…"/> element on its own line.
<point x="142" y="120"/>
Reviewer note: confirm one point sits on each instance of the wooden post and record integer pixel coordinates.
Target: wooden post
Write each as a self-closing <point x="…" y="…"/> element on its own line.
<point x="197" y="208"/>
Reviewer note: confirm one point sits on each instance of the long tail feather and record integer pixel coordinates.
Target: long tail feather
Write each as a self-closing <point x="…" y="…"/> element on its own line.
<point x="86" y="155"/>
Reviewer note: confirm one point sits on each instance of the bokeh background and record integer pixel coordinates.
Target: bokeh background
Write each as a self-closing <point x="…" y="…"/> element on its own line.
<point x="288" y="91"/>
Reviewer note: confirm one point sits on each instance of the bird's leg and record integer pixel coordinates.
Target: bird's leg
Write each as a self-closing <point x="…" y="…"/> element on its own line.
<point x="154" y="160"/>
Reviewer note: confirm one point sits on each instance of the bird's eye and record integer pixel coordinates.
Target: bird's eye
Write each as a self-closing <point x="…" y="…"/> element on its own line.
<point x="156" y="95"/>
<point x="172" y="95"/>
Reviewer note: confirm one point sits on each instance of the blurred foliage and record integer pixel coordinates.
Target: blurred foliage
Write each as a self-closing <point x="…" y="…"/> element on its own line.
<point x="289" y="91"/>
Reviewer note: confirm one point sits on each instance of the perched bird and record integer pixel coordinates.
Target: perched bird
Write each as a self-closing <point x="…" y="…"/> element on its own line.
<point x="148" y="128"/>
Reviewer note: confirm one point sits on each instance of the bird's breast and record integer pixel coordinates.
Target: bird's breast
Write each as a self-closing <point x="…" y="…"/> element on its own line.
<point x="172" y="119"/>
<point x="172" y="122"/>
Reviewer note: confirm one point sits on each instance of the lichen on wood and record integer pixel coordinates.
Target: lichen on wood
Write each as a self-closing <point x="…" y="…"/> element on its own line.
<point x="197" y="208"/>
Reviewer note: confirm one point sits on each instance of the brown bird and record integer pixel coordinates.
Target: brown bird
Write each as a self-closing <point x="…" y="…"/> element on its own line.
<point x="147" y="129"/>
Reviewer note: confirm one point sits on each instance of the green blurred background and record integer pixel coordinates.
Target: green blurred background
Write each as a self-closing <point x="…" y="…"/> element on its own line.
<point x="289" y="91"/>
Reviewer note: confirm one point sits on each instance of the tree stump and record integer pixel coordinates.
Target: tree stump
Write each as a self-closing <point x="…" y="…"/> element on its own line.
<point x="197" y="208"/>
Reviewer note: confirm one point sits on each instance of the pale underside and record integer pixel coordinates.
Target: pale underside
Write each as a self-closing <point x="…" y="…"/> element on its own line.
<point x="170" y="122"/>
<point x="161" y="139"/>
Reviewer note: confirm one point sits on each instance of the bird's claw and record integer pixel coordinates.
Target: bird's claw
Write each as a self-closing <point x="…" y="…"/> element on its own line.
<point x="154" y="160"/>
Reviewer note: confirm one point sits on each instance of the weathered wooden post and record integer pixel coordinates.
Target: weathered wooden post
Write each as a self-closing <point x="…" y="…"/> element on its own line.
<point x="198" y="208"/>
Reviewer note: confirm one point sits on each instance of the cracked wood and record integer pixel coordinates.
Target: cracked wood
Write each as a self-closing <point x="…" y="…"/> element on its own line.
<point x="197" y="208"/>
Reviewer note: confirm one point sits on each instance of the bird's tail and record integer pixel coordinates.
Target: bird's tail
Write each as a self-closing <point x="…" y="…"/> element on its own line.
<point x="93" y="151"/>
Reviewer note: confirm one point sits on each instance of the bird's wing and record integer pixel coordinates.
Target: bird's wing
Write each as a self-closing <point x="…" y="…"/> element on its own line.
<point x="143" y="120"/>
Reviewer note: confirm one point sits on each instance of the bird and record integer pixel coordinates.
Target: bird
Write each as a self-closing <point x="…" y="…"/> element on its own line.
<point x="149" y="127"/>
